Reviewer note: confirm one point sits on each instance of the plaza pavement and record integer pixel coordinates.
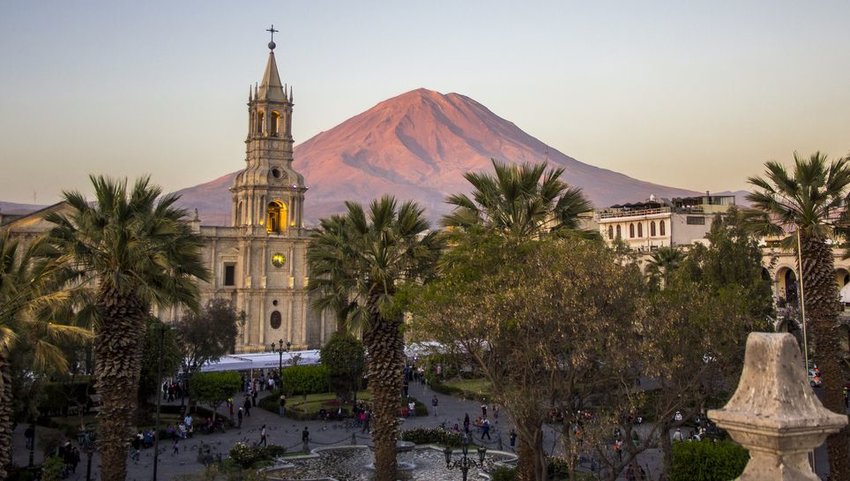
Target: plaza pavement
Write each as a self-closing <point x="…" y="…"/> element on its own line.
<point x="281" y="431"/>
<point x="287" y="432"/>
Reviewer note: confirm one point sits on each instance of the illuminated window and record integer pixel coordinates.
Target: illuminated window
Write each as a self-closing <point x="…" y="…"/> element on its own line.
<point x="276" y="217"/>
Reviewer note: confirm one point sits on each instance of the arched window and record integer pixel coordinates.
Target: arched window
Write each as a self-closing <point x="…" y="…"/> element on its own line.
<point x="652" y="229"/>
<point x="661" y="227"/>
<point x="610" y="232"/>
<point x="260" y="118"/>
<point x="275" y="320"/>
<point x="640" y="229"/>
<point x="619" y="232"/>
<point x="275" y="123"/>
<point x="631" y="231"/>
<point x="276" y="217"/>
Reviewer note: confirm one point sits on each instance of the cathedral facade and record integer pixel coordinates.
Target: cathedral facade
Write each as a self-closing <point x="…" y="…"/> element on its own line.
<point x="259" y="261"/>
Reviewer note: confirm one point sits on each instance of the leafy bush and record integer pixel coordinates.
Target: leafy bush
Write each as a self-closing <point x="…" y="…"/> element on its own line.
<point x="250" y="456"/>
<point x="51" y="470"/>
<point x="707" y="461"/>
<point x="305" y="380"/>
<point x="345" y="358"/>
<point x="56" y="397"/>
<point x="432" y="436"/>
<point x="503" y="473"/>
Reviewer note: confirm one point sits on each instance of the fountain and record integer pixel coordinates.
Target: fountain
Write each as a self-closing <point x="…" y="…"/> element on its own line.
<point x="354" y="463"/>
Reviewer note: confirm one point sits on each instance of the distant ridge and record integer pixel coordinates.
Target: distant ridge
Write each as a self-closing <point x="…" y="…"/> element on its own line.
<point x="417" y="146"/>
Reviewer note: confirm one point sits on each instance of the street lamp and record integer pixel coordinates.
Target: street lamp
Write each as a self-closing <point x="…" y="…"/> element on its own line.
<point x="86" y="438"/>
<point x="465" y="462"/>
<point x="280" y="347"/>
<point x="162" y="329"/>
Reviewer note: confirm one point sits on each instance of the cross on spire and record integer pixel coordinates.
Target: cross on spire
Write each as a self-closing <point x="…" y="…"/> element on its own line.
<point x="272" y="31"/>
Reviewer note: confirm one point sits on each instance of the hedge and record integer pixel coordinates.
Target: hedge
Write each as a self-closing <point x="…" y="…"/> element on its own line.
<point x="252" y="456"/>
<point x="432" y="436"/>
<point x="299" y="380"/>
<point x="707" y="461"/>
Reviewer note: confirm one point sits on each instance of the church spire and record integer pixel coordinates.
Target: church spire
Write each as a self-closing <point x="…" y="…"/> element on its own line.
<point x="270" y="86"/>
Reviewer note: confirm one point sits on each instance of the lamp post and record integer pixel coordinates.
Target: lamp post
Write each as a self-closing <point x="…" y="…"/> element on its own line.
<point x="465" y="462"/>
<point x="280" y="347"/>
<point x="162" y="329"/>
<point x="86" y="438"/>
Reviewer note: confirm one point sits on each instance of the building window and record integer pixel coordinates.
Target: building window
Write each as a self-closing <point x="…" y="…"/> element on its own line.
<point x="276" y="217"/>
<point x="631" y="231"/>
<point x="619" y="233"/>
<point x="652" y="229"/>
<point x="230" y="274"/>
<point x="695" y="220"/>
<point x="640" y="230"/>
<point x="661" y="227"/>
<point x="275" y="320"/>
<point x="260" y="118"/>
<point x="610" y="232"/>
<point x="275" y="122"/>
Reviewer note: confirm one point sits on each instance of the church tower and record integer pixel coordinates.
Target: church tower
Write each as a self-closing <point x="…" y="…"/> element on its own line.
<point x="268" y="195"/>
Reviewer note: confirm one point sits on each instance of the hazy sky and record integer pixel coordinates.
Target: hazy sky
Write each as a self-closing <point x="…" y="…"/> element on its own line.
<point x="688" y="94"/>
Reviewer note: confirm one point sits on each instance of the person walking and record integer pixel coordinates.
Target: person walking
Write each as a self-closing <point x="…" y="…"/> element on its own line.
<point x="263" y="440"/>
<point x="485" y="429"/>
<point x="247" y="406"/>
<point x="282" y="405"/>
<point x="305" y="438"/>
<point x="239" y="415"/>
<point x="434" y="403"/>
<point x="466" y="423"/>
<point x="513" y="439"/>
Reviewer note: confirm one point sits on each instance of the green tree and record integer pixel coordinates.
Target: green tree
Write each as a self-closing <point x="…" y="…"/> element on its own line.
<point x="207" y="335"/>
<point x="161" y="343"/>
<point x="383" y="249"/>
<point x="549" y="341"/>
<point x="28" y="294"/>
<point x="518" y="200"/>
<point x="135" y="249"/>
<point x="345" y="360"/>
<point x="214" y="388"/>
<point x="808" y="200"/>
<point x="662" y="263"/>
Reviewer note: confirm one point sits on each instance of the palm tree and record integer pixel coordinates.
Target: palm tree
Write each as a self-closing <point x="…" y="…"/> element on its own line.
<point x="518" y="200"/>
<point x="808" y="200"/>
<point x="26" y="292"/>
<point x="134" y="248"/>
<point x="662" y="263"/>
<point x="357" y="262"/>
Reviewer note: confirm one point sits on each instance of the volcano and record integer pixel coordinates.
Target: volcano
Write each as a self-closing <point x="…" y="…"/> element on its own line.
<point x="417" y="146"/>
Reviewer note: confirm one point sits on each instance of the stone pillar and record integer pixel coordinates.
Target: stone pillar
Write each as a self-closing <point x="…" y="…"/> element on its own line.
<point x="774" y="413"/>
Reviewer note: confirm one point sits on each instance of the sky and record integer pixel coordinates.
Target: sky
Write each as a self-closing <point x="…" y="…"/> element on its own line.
<point x="695" y="95"/>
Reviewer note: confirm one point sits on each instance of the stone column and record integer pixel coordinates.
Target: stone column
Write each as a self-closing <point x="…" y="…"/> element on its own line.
<point x="774" y="413"/>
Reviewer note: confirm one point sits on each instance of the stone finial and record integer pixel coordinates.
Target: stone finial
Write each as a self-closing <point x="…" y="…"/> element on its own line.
<point x="774" y="413"/>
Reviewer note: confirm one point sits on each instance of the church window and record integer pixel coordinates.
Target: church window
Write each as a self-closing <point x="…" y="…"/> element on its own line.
<point x="631" y="231"/>
<point x="275" y="123"/>
<point x="652" y="229"/>
<point x="640" y="230"/>
<point x="275" y="320"/>
<point x="230" y="275"/>
<point x="661" y="227"/>
<point x="276" y="217"/>
<point x="610" y="232"/>
<point x="619" y="232"/>
<point x="260" y="118"/>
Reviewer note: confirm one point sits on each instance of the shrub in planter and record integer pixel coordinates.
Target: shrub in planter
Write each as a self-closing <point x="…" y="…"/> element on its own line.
<point x="707" y="461"/>
<point x="432" y="436"/>
<point x="299" y="380"/>
<point x="249" y="456"/>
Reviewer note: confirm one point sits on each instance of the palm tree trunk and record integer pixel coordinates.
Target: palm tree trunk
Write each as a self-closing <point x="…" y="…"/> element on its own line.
<point x="118" y="363"/>
<point x="385" y="361"/>
<point x="821" y="302"/>
<point x="6" y="401"/>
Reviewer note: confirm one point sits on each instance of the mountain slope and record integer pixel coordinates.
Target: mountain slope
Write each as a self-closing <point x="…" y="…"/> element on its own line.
<point x="417" y="146"/>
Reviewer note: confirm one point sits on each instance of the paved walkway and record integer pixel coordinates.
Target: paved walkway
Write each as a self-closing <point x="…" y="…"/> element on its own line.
<point x="281" y="431"/>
